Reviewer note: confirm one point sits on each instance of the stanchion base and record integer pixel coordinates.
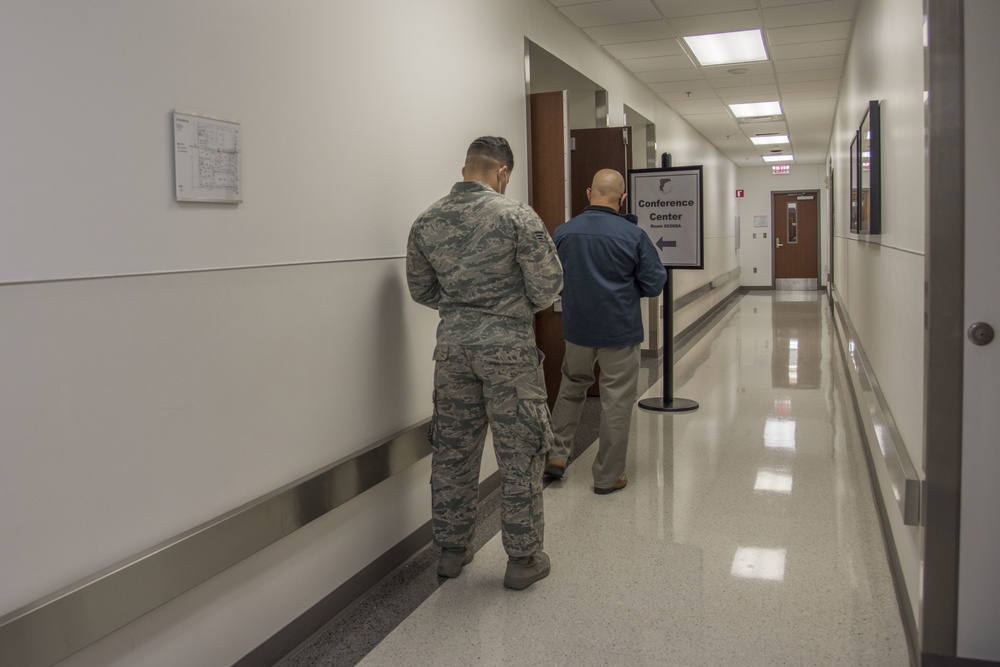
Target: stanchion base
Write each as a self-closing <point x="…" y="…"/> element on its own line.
<point x="675" y="405"/>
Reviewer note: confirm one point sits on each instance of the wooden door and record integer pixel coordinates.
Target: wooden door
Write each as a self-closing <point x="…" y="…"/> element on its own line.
<point x="549" y="139"/>
<point x="796" y="240"/>
<point x="593" y="150"/>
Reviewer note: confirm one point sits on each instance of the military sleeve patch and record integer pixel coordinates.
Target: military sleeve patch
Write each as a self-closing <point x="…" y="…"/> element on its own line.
<point x="540" y="235"/>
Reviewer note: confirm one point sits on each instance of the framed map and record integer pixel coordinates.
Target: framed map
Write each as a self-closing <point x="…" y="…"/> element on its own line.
<point x="207" y="159"/>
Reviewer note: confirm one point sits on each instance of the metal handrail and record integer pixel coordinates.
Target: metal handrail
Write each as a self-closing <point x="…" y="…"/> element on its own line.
<point x="58" y="625"/>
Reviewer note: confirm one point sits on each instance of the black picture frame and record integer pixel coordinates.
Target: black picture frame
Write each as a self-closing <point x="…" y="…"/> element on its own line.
<point x="854" y="170"/>
<point x="870" y="171"/>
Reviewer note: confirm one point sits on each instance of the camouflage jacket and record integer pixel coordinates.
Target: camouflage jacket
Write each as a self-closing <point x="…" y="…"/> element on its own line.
<point x="486" y="263"/>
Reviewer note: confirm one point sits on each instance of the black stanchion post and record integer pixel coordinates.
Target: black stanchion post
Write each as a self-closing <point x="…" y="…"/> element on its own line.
<point x="667" y="402"/>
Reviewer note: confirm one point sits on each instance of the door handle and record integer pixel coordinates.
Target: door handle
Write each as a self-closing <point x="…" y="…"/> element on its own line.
<point x="777" y="242"/>
<point x="981" y="333"/>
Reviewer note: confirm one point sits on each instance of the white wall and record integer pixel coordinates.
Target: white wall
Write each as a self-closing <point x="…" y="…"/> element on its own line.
<point x="135" y="406"/>
<point x="757" y="184"/>
<point x="880" y="279"/>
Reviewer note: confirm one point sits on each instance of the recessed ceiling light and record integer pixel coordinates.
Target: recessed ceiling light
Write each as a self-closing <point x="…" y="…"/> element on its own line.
<point x="756" y="109"/>
<point x="767" y="140"/>
<point x="779" y="158"/>
<point x="726" y="48"/>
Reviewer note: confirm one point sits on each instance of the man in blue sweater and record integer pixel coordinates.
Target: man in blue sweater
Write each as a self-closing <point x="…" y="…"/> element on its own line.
<point x="608" y="265"/>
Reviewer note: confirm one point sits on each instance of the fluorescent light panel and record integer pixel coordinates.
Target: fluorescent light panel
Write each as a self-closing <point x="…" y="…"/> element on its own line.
<point x="756" y="109"/>
<point x="779" y="158"/>
<point x="767" y="141"/>
<point x="726" y="48"/>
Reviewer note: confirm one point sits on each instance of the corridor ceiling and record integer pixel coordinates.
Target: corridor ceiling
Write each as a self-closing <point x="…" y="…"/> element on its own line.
<point x="806" y="44"/>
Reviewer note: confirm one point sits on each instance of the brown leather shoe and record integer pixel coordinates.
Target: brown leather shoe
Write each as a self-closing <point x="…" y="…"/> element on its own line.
<point x="555" y="468"/>
<point x="619" y="483"/>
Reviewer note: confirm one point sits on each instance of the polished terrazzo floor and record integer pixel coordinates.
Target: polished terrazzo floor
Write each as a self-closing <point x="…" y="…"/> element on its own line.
<point x="747" y="534"/>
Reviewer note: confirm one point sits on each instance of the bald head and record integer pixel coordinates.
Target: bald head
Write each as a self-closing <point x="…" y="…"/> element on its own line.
<point x="608" y="189"/>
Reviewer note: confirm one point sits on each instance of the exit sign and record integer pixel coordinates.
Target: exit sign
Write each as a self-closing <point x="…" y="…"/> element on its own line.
<point x="781" y="169"/>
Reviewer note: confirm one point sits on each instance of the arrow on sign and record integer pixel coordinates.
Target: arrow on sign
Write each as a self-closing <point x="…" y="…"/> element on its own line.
<point x="661" y="244"/>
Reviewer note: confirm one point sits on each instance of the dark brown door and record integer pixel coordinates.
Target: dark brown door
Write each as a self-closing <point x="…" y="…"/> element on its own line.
<point x="796" y="235"/>
<point x="593" y="150"/>
<point x="548" y="198"/>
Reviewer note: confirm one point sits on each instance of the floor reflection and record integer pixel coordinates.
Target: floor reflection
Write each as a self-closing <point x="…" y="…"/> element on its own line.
<point x="797" y="329"/>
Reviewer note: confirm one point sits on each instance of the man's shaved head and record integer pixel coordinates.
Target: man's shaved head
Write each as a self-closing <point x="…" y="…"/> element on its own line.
<point x="607" y="189"/>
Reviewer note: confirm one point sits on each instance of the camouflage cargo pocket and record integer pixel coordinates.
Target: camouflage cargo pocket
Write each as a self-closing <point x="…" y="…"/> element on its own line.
<point x="533" y="414"/>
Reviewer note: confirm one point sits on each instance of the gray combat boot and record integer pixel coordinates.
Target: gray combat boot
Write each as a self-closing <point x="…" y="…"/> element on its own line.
<point x="452" y="561"/>
<point x="522" y="572"/>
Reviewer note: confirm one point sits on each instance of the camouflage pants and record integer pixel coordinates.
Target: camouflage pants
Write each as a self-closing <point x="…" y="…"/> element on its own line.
<point x="503" y="388"/>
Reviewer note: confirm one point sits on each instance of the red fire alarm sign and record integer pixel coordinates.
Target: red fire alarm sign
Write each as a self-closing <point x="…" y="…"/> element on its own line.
<point x="739" y="193"/>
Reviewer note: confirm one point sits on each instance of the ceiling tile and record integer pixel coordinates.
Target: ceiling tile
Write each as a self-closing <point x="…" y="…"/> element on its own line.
<point x="740" y="81"/>
<point x="708" y="24"/>
<point x="806" y="34"/>
<point x="824" y="85"/>
<point x="809" y="75"/>
<point x="676" y="8"/>
<point x="815" y="49"/>
<point x="810" y="95"/>
<point x="806" y="120"/>
<point x="660" y="47"/>
<point x="685" y="107"/>
<point x="721" y="123"/>
<point x="677" y="95"/>
<point x="806" y="39"/>
<point x="752" y="69"/>
<point x="689" y="74"/>
<point x="610" y="12"/>
<point x="682" y="86"/>
<point x="624" y="33"/>
<point x="660" y="63"/>
<point x="810" y="106"/>
<point x="808" y="14"/>
<point x="804" y="64"/>
<point x="749" y="94"/>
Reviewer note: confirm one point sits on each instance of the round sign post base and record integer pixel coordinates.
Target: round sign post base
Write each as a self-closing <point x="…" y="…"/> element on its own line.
<point x="659" y="404"/>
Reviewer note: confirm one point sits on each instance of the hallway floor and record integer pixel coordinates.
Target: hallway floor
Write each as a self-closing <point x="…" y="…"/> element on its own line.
<point x="747" y="534"/>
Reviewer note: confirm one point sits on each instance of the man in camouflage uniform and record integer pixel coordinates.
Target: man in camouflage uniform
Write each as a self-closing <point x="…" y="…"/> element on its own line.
<point x="486" y="263"/>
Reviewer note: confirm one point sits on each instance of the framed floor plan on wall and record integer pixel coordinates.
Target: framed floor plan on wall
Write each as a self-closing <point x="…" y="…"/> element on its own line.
<point x="207" y="159"/>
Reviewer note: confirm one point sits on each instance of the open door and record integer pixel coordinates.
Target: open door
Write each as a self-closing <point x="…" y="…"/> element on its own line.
<point x="592" y="150"/>
<point x="549" y="138"/>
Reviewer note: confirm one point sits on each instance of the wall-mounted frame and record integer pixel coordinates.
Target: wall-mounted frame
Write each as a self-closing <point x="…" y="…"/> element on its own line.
<point x="870" y="170"/>
<point x="208" y="159"/>
<point x="855" y="154"/>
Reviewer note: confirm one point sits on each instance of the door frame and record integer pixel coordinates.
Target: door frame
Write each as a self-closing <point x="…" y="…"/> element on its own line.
<point x="819" y="233"/>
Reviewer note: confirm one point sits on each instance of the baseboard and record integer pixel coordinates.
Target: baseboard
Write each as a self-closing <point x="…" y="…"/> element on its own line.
<point x="931" y="660"/>
<point x="307" y="624"/>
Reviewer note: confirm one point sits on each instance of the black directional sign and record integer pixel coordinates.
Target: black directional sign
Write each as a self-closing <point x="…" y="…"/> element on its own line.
<point x="667" y="204"/>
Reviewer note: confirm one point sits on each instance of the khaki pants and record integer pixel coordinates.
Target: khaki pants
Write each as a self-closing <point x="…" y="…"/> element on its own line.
<point x="619" y="381"/>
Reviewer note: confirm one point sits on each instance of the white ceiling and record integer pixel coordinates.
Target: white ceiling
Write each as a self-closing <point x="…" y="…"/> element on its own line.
<point x="806" y="42"/>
